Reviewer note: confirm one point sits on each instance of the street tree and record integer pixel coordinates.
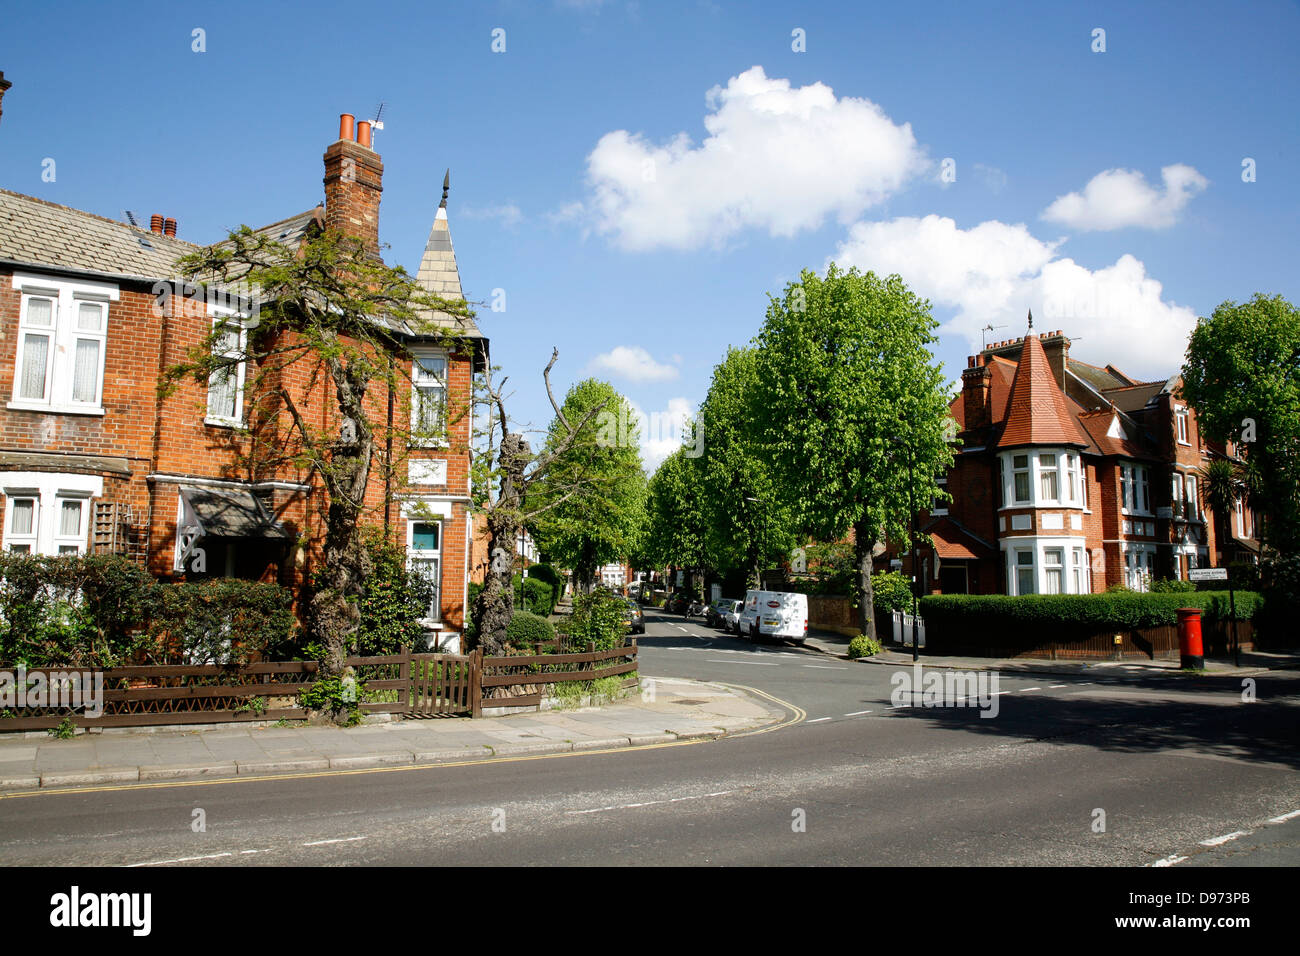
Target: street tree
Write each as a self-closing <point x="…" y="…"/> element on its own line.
<point x="748" y="524"/>
<point x="589" y="502"/>
<point x="327" y="315"/>
<point x="855" y="409"/>
<point x="675" y="529"/>
<point x="506" y="472"/>
<point x="1242" y="375"/>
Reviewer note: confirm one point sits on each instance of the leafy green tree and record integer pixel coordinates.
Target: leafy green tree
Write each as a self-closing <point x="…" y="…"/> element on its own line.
<point x="586" y="509"/>
<point x="746" y="522"/>
<point x="854" y="404"/>
<point x="1242" y="375"/>
<point x="676" y="524"/>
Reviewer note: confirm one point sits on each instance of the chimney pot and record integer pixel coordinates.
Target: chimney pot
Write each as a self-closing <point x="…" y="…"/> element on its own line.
<point x="346" y="121"/>
<point x="363" y="134"/>
<point x="156" y="224"/>
<point x="169" y="227"/>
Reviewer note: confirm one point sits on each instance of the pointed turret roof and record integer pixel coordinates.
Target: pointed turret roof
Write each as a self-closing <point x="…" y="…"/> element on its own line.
<point x="1036" y="409"/>
<point x="438" y="272"/>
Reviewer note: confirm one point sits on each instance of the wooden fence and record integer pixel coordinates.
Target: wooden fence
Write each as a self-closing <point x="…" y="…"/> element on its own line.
<point x="417" y="685"/>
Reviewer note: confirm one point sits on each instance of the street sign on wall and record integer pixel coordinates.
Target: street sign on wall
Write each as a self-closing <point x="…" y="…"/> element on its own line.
<point x="1207" y="574"/>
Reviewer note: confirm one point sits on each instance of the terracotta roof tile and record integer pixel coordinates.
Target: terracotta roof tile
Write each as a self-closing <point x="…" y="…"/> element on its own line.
<point x="1036" y="410"/>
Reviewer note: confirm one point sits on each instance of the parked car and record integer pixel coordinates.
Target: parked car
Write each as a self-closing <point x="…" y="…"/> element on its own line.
<point x="731" y="617"/>
<point x="775" y="614"/>
<point x="679" y="602"/>
<point x="718" y="611"/>
<point x="633" y="616"/>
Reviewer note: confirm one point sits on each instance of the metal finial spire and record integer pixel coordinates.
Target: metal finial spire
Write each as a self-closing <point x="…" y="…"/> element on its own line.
<point x="1031" y="320"/>
<point x="446" y="185"/>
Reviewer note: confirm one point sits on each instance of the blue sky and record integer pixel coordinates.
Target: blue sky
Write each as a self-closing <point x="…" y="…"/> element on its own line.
<point x="637" y="176"/>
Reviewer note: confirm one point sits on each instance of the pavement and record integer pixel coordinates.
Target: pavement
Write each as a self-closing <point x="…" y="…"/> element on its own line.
<point x="667" y="711"/>
<point x="1253" y="663"/>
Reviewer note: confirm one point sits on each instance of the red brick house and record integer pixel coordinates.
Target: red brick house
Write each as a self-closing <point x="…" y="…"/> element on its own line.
<point x="1068" y="478"/>
<point x="93" y="460"/>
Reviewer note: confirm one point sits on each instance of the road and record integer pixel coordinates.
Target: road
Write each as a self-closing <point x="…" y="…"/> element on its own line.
<point x="1069" y="772"/>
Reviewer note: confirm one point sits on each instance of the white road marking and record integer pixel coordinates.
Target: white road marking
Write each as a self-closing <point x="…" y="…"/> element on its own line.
<point x="826" y="667"/>
<point x="1169" y="861"/>
<point x="857" y="713"/>
<point x="1285" y="817"/>
<point x="183" y="859"/>
<point x="1028" y="689"/>
<point x="816" y="720"/>
<point x="1055" y="686"/>
<point x="1220" y="840"/>
<point x="651" y="803"/>
<point x="343" y="840"/>
<point x="755" y="663"/>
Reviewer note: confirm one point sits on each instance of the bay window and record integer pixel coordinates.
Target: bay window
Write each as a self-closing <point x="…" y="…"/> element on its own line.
<point x="47" y="513"/>
<point x="1044" y="478"/>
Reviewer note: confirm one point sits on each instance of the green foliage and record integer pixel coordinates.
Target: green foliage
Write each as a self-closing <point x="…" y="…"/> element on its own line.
<point x="1121" y="610"/>
<point x="105" y="611"/>
<point x="588" y="503"/>
<point x="676" y="527"/>
<point x="529" y="630"/>
<point x="544" y="572"/>
<point x="854" y="405"/>
<point x="1172" y="586"/>
<point x="863" y="646"/>
<point x="539" y="595"/>
<point x="337" y="697"/>
<point x="892" y="590"/>
<point x="254" y="705"/>
<point x="597" y="619"/>
<point x="394" y="601"/>
<point x="470" y="630"/>
<point x="66" y="730"/>
<point x="1243" y="368"/>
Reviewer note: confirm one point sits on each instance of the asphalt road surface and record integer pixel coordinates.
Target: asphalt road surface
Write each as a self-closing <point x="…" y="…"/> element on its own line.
<point x="1071" y="771"/>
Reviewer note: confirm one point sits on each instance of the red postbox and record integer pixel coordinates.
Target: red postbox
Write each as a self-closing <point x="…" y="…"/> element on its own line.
<point x="1189" y="638"/>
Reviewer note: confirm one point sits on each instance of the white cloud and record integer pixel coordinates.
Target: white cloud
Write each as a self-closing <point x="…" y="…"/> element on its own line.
<point x="994" y="273"/>
<point x="508" y="213"/>
<point x="1122" y="198"/>
<point x="776" y="157"/>
<point x="633" y="363"/>
<point x="662" y="432"/>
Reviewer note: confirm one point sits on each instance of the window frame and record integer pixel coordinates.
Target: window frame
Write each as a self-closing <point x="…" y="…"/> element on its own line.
<point x="415" y="556"/>
<point x="417" y="370"/>
<point x="239" y="322"/>
<point x="1182" y="425"/>
<point x="49" y="491"/>
<point x="63" y="337"/>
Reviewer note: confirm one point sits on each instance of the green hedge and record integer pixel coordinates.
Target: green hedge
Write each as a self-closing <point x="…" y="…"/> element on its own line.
<point x="1117" y="609"/>
<point x="527" y="631"/>
<point x="548" y="574"/>
<point x="539" y="595"/>
<point x="105" y="611"/>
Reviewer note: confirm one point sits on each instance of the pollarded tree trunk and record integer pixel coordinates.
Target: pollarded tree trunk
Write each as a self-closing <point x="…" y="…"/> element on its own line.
<point x="864" y="544"/>
<point x="496" y="602"/>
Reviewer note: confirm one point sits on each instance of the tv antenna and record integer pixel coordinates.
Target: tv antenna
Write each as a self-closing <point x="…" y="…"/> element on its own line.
<point x="989" y="328"/>
<point x="130" y="217"/>
<point x="378" y="122"/>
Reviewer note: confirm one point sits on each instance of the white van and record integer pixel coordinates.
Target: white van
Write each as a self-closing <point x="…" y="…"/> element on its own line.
<point x="775" y="614"/>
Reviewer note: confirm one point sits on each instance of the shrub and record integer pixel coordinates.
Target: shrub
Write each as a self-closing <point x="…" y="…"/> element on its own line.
<point x="1114" y="609"/>
<point x="528" y="630"/>
<point x="538" y="595"/>
<point x="863" y="646"/>
<point x="394" y="601"/>
<point x="224" y="620"/>
<point x="1172" y="586"/>
<point x="548" y="574"/>
<point x="891" y="591"/>
<point x="597" y="618"/>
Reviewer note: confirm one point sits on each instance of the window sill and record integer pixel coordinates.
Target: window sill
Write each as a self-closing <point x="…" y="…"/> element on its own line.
<point x="439" y="445"/>
<point x="19" y="406"/>
<point x="223" y="422"/>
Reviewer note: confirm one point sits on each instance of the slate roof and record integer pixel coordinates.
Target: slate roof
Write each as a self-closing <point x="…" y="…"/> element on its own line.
<point x="439" y="274"/>
<point x="35" y="232"/>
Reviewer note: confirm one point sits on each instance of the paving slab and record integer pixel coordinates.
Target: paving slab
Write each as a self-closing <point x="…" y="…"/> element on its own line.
<point x="683" y="710"/>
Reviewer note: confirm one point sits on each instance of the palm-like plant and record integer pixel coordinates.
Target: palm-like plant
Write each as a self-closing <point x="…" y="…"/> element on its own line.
<point x="1223" y="482"/>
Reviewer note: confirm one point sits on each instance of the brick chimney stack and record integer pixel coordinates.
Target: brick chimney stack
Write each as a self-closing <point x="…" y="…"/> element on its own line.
<point x="4" y="86"/>
<point x="354" y="179"/>
<point x="1057" y="347"/>
<point x="976" y="390"/>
